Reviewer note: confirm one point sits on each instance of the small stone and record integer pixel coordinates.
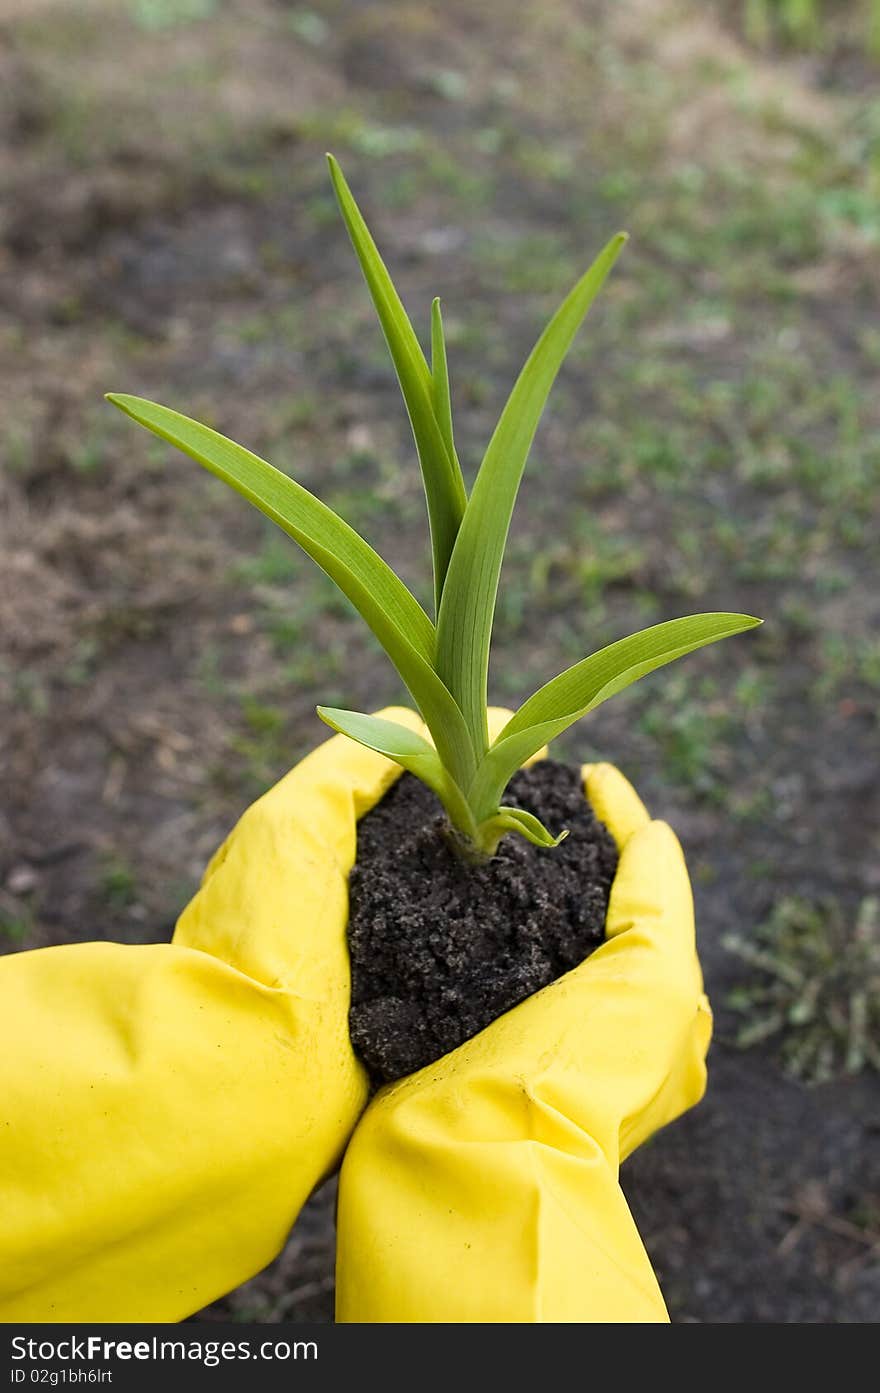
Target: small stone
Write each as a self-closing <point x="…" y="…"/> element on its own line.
<point x="21" y="880"/>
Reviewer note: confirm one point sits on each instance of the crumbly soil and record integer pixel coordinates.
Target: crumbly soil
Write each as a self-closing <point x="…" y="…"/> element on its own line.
<point x="439" y="947"/>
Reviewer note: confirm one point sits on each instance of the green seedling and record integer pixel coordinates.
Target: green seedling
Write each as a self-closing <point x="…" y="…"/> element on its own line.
<point x="443" y="661"/>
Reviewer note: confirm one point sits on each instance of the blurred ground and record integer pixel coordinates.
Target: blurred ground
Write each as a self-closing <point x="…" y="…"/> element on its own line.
<point x="168" y="229"/>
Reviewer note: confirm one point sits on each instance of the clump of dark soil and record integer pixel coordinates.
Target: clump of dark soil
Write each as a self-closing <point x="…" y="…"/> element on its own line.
<point x="438" y="947"/>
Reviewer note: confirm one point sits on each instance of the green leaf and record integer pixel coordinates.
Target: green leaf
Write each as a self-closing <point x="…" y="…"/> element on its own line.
<point x="464" y="624"/>
<point x="440" y="379"/>
<point x="490" y="832"/>
<point x="441" y="475"/>
<point x="409" y="750"/>
<point x="583" y="687"/>
<point x="330" y="541"/>
<point x="394" y="615"/>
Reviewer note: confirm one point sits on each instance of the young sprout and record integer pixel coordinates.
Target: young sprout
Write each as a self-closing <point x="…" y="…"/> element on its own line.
<point x="444" y="662"/>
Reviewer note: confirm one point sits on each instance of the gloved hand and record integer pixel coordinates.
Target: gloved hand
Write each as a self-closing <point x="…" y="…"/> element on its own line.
<point x="485" y="1186"/>
<point x="170" y="1107"/>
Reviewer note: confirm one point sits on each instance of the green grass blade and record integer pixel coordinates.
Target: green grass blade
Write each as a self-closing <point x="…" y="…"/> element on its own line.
<point x="441" y="474"/>
<point x="394" y="615"/>
<point x="440" y="379"/>
<point x="409" y="750"/>
<point x="583" y="687"/>
<point x="464" y="625"/>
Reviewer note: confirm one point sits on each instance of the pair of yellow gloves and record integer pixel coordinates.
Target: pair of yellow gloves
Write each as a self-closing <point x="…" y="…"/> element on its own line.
<point x="165" y="1110"/>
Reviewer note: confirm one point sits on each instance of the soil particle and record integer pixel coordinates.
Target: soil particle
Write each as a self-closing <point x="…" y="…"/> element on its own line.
<point x="440" y="948"/>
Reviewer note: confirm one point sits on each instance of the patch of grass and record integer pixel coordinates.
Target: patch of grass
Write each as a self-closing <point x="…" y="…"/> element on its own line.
<point x="16" y="922"/>
<point x="153" y="15"/>
<point x="755" y="806"/>
<point x="275" y="328"/>
<point x="295" y="413"/>
<point x="542" y="159"/>
<point x="18" y="450"/>
<point x="314" y="669"/>
<point x="471" y="187"/>
<point x="29" y="688"/>
<point x="83" y="662"/>
<point x="309" y="26"/>
<point x="209" y="670"/>
<point x="811" y="24"/>
<point x="361" y="506"/>
<point x="348" y="128"/>
<point x="261" y="750"/>
<point x="848" y="664"/>
<point x="580" y="572"/>
<point x="274" y="563"/>
<point x="89" y="449"/>
<point x="753" y="690"/>
<point x="533" y="263"/>
<point x="117" y="881"/>
<point x="816" y="987"/>
<point x="285" y="630"/>
<point x="449" y="83"/>
<point x="176" y="106"/>
<point x="690" y="726"/>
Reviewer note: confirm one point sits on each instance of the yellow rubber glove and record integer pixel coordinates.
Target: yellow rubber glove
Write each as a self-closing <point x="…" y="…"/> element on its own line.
<point x="168" y="1108"/>
<point x="165" y="1110"/>
<point x="485" y="1186"/>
